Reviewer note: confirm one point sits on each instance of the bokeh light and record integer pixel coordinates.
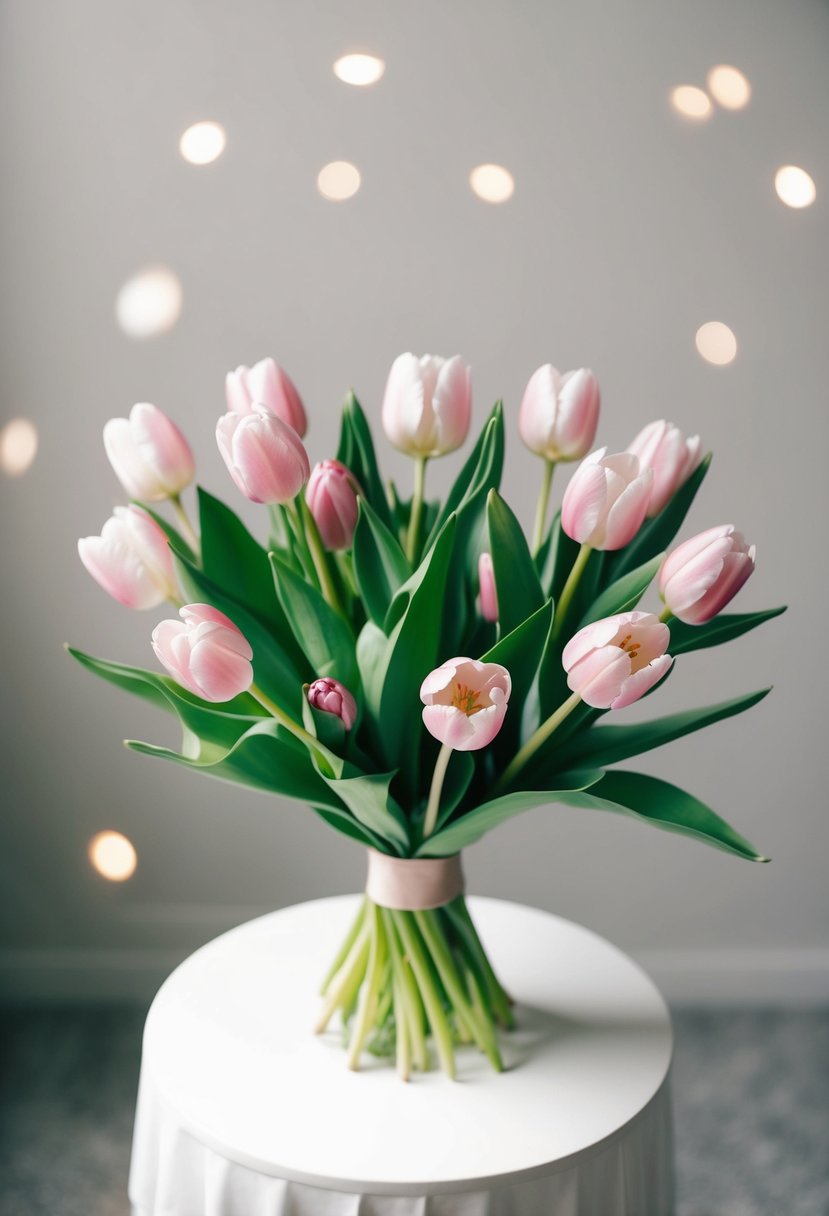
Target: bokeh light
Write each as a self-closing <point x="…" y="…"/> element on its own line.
<point x="691" y="102"/>
<point x="338" y="180"/>
<point x="794" y="187"/>
<point x="716" y="343"/>
<point x="18" y="446"/>
<point x="359" y="69"/>
<point x="149" y="303"/>
<point x="492" y="183"/>
<point x="113" y="856"/>
<point x="203" y="143"/>
<point x="729" y="87"/>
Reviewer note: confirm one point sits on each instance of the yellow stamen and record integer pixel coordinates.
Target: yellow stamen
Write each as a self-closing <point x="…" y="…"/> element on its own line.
<point x="466" y="699"/>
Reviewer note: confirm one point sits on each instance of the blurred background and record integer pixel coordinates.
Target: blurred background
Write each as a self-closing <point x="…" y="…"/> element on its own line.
<point x="640" y="188"/>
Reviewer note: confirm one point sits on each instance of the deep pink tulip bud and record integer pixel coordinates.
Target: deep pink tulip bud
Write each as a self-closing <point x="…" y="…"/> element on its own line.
<point x="613" y="662"/>
<point x="606" y="500"/>
<point x="427" y="404"/>
<point x="332" y="500"/>
<point x="488" y="593"/>
<point x="205" y="653"/>
<point x="265" y="457"/>
<point x="332" y="697"/>
<point x="661" y="446"/>
<point x="131" y="559"/>
<point x="559" y="414"/>
<point x="699" y="577"/>
<point x="149" y="454"/>
<point x="267" y="383"/>
<point x="465" y="702"/>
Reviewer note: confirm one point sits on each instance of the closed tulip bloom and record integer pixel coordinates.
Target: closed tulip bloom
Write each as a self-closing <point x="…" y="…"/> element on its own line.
<point x="205" y="653"/>
<point x="267" y="383"/>
<point x="559" y="413"/>
<point x="488" y="592"/>
<point x="606" y="500"/>
<point x="131" y="559"/>
<point x="264" y="456"/>
<point x="613" y="662"/>
<point x="149" y="454"/>
<point x="661" y="446"/>
<point x="332" y="500"/>
<point x="427" y="404"/>
<point x="699" y="577"/>
<point x="465" y="702"/>
<point x="332" y="697"/>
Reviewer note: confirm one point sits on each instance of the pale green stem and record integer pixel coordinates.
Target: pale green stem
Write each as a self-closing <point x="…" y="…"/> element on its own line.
<point x="401" y="1024"/>
<point x="535" y="741"/>
<point x="543" y="503"/>
<point x="351" y="973"/>
<point x="350" y="939"/>
<point x="417" y="508"/>
<point x="412" y="1003"/>
<point x="410" y="940"/>
<point x="187" y="530"/>
<point x="433" y="805"/>
<point x="569" y="588"/>
<point x="320" y="560"/>
<point x="666" y="615"/>
<point x="284" y="720"/>
<point x="370" y="992"/>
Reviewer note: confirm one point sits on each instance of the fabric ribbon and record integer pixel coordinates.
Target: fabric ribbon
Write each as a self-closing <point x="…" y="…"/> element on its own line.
<point x="413" y="884"/>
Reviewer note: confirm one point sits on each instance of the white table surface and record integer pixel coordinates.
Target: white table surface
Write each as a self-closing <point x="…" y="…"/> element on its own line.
<point x="230" y="1064"/>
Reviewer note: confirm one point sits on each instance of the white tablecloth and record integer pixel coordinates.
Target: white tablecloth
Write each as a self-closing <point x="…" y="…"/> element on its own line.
<point x="242" y="1111"/>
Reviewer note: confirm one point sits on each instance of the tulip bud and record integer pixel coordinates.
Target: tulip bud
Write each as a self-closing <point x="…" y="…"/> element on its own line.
<point x="131" y="559"/>
<point x="605" y="502"/>
<point x="699" y="577"/>
<point x="559" y="414"/>
<point x="613" y="662"/>
<point x="661" y="446"/>
<point x="488" y="593"/>
<point x="332" y="697"/>
<point x="465" y="702"/>
<point x="332" y="500"/>
<point x="268" y="384"/>
<point x="149" y="454"/>
<point x="205" y="653"/>
<point x="265" y="457"/>
<point x="427" y="404"/>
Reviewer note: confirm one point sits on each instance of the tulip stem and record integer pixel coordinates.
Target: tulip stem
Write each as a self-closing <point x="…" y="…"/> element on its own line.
<point x="535" y="741"/>
<point x="433" y="805"/>
<point x="543" y="503"/>
<point x="666" y="615"/>
<point x="417" y="509"/>
<point x="284" y="720"/>
<point x="319" y="557"/>
<point x="187" y="528"/>
<point x="569" y="588"/>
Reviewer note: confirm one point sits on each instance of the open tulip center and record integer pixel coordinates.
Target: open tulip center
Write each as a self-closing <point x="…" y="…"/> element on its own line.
<point x="466" y="699"/>
<point x="630" y="647"/>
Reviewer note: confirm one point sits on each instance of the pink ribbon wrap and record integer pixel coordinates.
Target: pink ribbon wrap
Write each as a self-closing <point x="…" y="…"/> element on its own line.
<point x="413" y="884"/>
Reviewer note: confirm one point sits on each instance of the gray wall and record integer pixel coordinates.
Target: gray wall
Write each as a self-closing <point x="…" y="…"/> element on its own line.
<point x="628" y="229"/>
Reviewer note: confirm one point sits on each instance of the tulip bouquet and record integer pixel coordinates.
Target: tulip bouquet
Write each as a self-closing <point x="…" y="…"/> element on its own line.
<point x="417" y="672"/>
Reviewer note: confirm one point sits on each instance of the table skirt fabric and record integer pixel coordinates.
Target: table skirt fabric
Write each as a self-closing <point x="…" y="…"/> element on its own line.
<point x="174" y="1174"/>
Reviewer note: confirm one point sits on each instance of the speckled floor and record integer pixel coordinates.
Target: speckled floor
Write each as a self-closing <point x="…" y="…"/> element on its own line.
<point x="751" y="1092"/>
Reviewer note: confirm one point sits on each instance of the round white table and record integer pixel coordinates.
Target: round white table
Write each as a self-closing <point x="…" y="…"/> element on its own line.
<point x="242" y="1111"/>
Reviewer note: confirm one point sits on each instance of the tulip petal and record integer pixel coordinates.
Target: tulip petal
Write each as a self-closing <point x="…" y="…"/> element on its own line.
<point x="637" y="684"/>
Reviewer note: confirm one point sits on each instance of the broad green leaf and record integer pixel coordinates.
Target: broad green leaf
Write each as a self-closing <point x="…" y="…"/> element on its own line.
<point x="722" y="628"/>
<point x="356" y="452"/>
<point x="605" y="745"/>
<point x="368" y="798"/>
<point x="656" y="534"/>
<point x="520" y="652"/>
<point x="561" y="555"/>
<point x="665" y="806"/>
<point x="177" y="541"/>
<point x="234" y="560"/>
<point x="624" y="594"/>
<point x="380" y="565"/>
<point x="325" y="638"/>
<point x="481" y="471"/>
<point x="458" y="778"/>
<point x="516" y="581"/>
<point x="476" y="823"/>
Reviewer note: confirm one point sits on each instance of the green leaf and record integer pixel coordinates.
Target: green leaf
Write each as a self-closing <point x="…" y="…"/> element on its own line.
<point x="665" y="806"/>
<point x="722" y="628"/>
<point x="516" y="581"/>
<point x="380" y="565"/>
<point x="176" y="540"/>
<point x="655" y="535"/>
<point x="481" y="471"/>
<point x="234" y="560"/>
<point x="368" y="797"/>
<point x="624" y="594"/>
<point x="325" y="638"/>
<point x="476" y="823"/>
<point x="520" y="652"/>
<point x="356" y="452"/>
<point x="561" y="555"/>
<point x="458" y="779"/>
<point x="605" y="745"/>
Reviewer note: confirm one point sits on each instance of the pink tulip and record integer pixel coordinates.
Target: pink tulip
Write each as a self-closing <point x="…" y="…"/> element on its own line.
<point x="606" y="500"/>
<point x="699" y="577"/>
<point x="613" y="662"/>
<point x="332" y="500"/>
<point x="268" y="384"/>
<point x="265" y="457"/>
<point x="205" y="653"/>
<point x="131" y="559"/>
<point x="427" y="404"/>
<point x="149" y="454"/>
<point x="559" y="414"/>
<point x="332" y="697"/>
<point x="488" y="592"/>
<point x="465" y="702"/>
<point x="661" y="446"/>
